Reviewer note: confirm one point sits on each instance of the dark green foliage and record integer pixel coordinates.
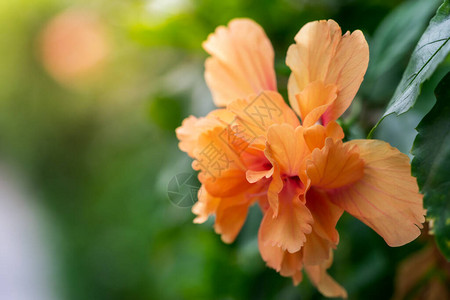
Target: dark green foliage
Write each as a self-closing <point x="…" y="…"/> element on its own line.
<point x="431" y="164"/>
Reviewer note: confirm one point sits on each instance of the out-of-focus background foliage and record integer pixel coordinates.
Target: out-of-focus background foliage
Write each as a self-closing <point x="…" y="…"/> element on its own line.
<point x="90" y="95"/>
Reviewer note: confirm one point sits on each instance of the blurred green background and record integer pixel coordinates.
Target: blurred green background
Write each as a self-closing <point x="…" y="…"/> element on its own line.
<point x="90" y="95"/>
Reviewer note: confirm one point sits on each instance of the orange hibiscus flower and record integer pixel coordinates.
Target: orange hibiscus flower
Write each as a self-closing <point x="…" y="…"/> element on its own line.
<point x="292" y="162"/>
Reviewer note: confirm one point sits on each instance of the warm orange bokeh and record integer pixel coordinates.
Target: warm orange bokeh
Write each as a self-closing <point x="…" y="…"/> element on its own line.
<point x="73" y="46"/>
<point x="300" y="173"/>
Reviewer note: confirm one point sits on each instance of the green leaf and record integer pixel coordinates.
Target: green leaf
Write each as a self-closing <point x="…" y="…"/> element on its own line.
<point x="431" y="50"/>
<point x="431" y="164"/>
<point x="397" y="26"/>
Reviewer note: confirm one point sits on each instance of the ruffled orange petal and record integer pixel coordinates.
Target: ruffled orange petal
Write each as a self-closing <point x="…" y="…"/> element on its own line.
<point x="205" y="206"/>
<point x="188" y="134"/>
<point x="230" y="182"/>
<point x="325" y="214"/>
<point x="316" y="135"/>
<point x="288" y="264"/>
<point x="255" y="176"/>
<point x="217" y="151"/>
<point x="289" y="227"/>
<point x="335" y="166"/>
<point x="192" y="128"/>
<point x="241" y="62"/>
<point x="334" y="130"/>
<point x="316" y="249"/>
<point x="324" y="282"/>
<point x="314" y="100"/>
<point x="387" y="198"/>
<point x="231" y="215"/>
<point x="275" y="187"/>
<point x="291" y="265"/>
<point x="231" y="211"/>
<point x="322" y="54"/>
<point x="286" y="148"/>
<point x="255" y="114"/>
<point x="324" y="235"/>
<point x="272" y="255"/>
